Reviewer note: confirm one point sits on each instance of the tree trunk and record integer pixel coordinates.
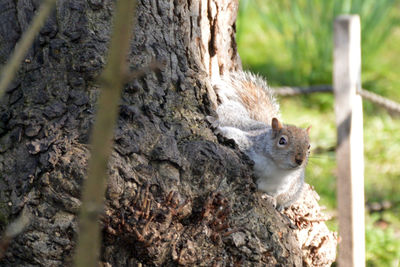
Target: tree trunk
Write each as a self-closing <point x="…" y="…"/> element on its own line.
<point x="176" y="194"/>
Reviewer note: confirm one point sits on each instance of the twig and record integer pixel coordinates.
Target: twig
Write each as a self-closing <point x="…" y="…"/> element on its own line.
<point x="297" y="90"/>
<point x="138" y="73"/>
<point x="390" y="105"/>
<point x="113" y="77"/>
<point x="14" y="229"/>
<point x="10" y="70"/>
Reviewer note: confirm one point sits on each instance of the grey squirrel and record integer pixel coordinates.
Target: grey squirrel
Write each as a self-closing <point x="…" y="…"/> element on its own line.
<point x="249" y="114"/>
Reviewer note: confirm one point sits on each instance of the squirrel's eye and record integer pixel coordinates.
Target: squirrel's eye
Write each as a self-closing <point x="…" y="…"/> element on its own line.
<point x="282" y="141"/>
<point x="309" y="146"/>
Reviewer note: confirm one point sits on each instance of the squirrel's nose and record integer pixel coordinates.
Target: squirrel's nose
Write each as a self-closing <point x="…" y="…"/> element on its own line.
<point x="298" y="160"/>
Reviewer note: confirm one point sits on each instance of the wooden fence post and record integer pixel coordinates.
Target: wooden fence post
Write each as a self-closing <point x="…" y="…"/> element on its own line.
<point x="349" y="153"/>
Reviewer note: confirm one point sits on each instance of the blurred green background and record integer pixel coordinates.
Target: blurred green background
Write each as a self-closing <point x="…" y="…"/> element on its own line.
<point x="290" y="43"/>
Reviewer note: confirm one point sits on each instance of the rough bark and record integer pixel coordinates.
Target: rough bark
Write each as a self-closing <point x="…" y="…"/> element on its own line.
<point x="177" y="194"/>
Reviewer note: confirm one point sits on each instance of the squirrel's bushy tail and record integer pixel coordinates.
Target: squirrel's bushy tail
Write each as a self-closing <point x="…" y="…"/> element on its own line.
<point x="246" y="96"/>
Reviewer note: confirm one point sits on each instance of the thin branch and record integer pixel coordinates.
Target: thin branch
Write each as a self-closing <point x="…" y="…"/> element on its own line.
<point x="14" y="229"/>
<point x="9" y="71"/>
<point x="113" y="77"/>
<point x="298" y="90"/>
<point x="152" y="66"/>
<point x="391" y="106"/>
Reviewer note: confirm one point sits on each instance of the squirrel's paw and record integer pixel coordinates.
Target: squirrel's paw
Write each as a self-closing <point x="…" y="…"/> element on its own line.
<point x="269" y="199"/>
<point x="213" y="121"/>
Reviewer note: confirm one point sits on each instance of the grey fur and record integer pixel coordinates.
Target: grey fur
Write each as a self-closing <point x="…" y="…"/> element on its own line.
<point x="276" y="166"/>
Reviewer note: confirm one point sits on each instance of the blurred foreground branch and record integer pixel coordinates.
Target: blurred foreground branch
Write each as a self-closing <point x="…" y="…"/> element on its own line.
<point x="13" y="229"/>
<point x="22" y="47"/>
<point x="113" y="78"/>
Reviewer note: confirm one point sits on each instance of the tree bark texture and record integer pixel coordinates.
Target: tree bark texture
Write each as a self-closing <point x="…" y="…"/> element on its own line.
<point x="177" y="194"/>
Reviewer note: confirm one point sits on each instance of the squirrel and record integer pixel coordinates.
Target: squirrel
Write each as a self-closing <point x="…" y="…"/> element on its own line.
<point x="249" y="114"/>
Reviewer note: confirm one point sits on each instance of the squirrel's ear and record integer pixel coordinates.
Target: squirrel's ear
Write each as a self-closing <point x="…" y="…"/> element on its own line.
<point x="308" y="129"/>
<point x="276" y="124"/>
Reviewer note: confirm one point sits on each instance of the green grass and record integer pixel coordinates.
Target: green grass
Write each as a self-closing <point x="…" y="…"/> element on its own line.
<point x="290" y="42"/>
<point x="383" y="243"/>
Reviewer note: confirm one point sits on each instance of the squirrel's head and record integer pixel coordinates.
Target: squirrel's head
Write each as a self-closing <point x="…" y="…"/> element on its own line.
<point x="291" y="145"/>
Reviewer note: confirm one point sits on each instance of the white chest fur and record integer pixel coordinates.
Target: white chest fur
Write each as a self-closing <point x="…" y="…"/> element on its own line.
<point x="271" y="179"/>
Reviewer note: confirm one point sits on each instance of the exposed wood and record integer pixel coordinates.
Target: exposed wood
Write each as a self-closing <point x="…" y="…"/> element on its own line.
<point x="218" y="36"/>
<point x="349" y="154"/>
<point x="316" y="241"/>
